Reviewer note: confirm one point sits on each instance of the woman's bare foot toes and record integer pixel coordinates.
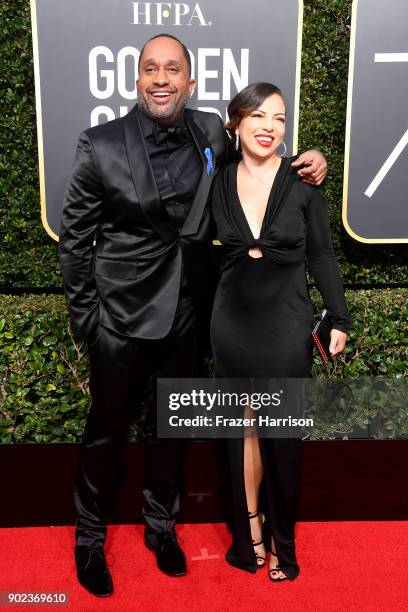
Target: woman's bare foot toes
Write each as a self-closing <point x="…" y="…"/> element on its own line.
<point x="275" y="573"/>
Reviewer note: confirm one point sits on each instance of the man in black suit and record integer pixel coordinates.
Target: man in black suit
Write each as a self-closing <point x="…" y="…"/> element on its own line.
<point x="140" y="297"/>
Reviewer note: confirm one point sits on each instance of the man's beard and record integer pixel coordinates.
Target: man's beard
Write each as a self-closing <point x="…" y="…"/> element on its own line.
<point x="168" y="114"/>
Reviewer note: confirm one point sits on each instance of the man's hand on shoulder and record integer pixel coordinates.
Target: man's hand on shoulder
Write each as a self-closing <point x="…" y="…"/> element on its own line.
<point x="316" y="167"/>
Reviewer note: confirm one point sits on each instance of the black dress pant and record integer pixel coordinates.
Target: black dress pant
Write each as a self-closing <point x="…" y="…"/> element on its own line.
<point x="122" y="370"/>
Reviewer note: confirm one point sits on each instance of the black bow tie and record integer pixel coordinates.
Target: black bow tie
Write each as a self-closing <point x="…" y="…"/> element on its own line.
<point x="175" y="133"/>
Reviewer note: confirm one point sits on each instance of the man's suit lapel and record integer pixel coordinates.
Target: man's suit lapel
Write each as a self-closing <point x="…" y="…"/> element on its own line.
<point x="143" y="179"/>
<point x="197" y="208"/>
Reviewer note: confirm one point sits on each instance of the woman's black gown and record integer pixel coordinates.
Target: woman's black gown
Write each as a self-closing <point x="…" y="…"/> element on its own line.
<point x="261" y="327"/>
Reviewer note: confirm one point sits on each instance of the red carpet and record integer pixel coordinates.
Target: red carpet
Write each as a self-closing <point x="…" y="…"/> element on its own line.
<point x="344" y="566"/>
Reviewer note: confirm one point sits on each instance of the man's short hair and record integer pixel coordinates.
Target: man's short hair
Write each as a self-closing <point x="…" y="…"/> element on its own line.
<point x="184" y="49"/>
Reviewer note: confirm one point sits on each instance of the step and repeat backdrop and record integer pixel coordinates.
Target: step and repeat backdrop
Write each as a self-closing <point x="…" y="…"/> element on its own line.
<point x="86" y="54"/>
<point x="375" y="201"/>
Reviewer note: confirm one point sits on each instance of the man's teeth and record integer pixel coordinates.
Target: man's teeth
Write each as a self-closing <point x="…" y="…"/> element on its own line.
<point x="161" y="95"/>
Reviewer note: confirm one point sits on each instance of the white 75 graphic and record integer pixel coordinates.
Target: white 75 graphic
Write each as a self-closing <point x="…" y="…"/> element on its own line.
<point x="398" y="149"/>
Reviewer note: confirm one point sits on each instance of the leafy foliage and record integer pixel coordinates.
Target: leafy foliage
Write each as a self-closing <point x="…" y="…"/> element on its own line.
<point x="365" y="389"/>
<point x="378" y="340"/>
<point x="44" y="393"/>
<point x="27" y="255"/>
<point x="43" y="375"/>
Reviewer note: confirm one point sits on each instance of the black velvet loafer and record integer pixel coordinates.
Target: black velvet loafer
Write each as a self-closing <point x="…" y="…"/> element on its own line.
<point x="92" y="570"/>
<point x="170" y="557"/>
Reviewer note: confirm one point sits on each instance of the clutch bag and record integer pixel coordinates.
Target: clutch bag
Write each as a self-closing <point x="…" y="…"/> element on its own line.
<point x="321" y="335"/>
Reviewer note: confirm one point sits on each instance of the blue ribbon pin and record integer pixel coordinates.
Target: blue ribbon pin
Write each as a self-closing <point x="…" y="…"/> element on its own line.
<point x="210" y="164"/>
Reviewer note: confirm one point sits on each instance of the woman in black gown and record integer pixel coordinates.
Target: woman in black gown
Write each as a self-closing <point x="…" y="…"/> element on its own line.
<point x="270" y="223"/>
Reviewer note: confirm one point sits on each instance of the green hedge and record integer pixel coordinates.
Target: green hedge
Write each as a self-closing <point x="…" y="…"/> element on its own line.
<point x="28" y="256"/>
<point x="44" y="393"/>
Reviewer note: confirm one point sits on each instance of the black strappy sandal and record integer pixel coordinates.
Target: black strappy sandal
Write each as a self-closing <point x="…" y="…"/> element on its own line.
<point x="276" y="569"/>
<point x="260" y="560"/>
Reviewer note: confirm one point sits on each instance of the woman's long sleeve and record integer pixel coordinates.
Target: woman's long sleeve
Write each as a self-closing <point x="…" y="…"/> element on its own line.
<point x="322" y="260"/>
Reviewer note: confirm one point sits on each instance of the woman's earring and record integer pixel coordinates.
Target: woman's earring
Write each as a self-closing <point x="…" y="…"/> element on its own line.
<point x="237" y="141"/>
<point x="284" y="153"/>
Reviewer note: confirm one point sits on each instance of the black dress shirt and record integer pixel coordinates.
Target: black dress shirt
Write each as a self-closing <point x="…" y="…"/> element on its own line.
<point x="176" y="169"/>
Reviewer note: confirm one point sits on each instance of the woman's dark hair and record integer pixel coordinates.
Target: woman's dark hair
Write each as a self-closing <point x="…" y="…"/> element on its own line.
<point x="183" y="47"/>
<point x="246" y="101"/>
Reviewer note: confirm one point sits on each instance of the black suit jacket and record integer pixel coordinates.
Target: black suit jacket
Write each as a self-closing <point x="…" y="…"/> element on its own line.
<point x="130" y="280"/>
